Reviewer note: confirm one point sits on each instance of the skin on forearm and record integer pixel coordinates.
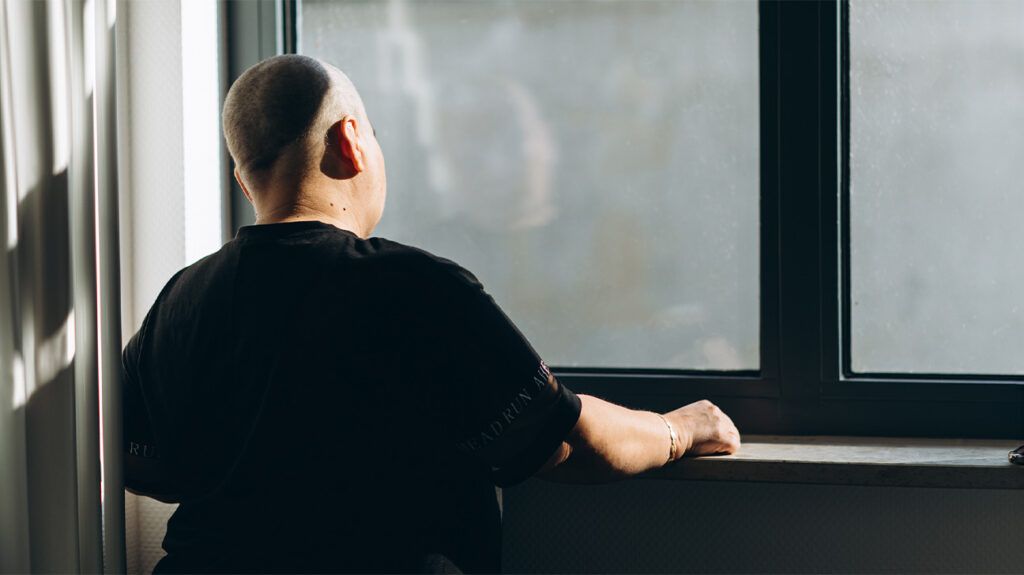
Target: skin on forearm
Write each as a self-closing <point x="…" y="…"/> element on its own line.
<point x="611" y="442"/>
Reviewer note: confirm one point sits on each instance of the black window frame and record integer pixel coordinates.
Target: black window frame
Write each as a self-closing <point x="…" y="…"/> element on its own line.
<point x="805" y="385"/>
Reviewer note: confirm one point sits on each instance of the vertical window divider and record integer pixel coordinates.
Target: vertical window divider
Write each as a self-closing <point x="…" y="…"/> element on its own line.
<point x="840" y="337"/>
<point x="255" y="31"/>
<point x="768" y="17"/>
<point x="831" y="161"/>
<point x="768" y="42"/>
<point x="801" y="115"/>
<point x="288" y="32"/>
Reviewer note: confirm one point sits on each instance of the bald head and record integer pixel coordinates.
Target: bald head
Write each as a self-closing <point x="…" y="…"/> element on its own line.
<point x="278" y="113"/>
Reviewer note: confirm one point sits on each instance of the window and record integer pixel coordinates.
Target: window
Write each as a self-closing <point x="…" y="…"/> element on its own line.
<point x="595" y="164"/>
<point x="802" y="211"/>
<point x="936" y="151"/>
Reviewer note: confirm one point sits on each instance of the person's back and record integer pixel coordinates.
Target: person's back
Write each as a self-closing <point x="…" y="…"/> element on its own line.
<point x="312" y="434"/>
<point x="319" y="400"/>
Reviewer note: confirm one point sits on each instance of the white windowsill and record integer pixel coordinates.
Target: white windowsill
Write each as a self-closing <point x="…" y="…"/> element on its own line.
<point x="894" y="462"/>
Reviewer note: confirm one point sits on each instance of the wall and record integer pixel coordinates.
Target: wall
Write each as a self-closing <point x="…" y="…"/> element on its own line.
<point x="649" y="526"/>
<point x="171" y="207"/>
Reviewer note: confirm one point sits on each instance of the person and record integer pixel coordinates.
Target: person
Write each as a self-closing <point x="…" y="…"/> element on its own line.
<point x="317" y="399"/>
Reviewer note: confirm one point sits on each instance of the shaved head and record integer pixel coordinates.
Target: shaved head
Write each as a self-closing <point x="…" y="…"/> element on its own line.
<point x="278" y="113"/>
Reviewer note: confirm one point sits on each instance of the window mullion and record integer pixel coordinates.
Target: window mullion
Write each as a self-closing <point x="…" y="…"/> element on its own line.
<point x="832" y="157"/>
<point x="768" y="16"/>
<point x="800" y="230"/>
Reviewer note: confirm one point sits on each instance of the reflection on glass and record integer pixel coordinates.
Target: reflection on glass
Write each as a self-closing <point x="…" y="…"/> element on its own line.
<point x="595" y="164"/>
<point x="936" y="158"/>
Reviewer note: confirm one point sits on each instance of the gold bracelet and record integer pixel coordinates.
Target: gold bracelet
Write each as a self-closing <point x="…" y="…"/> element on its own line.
<point x="672" y="439"/>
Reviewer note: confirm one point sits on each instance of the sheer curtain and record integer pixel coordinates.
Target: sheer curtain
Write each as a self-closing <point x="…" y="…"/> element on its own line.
<point x="61" y="503"/>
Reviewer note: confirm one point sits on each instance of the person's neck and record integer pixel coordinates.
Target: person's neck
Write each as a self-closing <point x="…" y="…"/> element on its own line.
<point x="313" y="208"/>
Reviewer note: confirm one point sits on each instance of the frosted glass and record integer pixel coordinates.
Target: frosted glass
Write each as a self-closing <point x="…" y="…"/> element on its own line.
<point x="595" y="164"/>
<point x="936" y="165"/>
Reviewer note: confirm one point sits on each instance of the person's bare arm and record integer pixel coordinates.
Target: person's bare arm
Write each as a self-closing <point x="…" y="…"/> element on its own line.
<point x="611" y="442"/>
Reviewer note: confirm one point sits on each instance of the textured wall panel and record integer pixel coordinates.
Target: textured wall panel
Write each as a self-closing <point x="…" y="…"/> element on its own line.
<point x="151" y="525"/>
<point x="701" y="527"/>
<point x="131" y="532"/>
<point x="157" y="216"/>
<point x="157" y="180"/>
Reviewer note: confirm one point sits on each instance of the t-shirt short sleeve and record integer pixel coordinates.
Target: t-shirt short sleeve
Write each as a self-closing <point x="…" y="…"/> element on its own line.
<point x="489" y="390"/>
<point x="138" y="434"/>
<point x="139" y="441"/>
<point x="144" y="469"/>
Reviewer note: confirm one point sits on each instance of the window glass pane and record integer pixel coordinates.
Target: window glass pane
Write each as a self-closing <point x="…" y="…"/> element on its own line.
<point x="936" y="161"/>
<point x="595" y="164"/>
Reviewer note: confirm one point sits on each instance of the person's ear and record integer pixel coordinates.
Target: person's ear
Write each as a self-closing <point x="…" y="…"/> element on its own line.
<point x="351" y="144"/>
<point x="245" y="190"/>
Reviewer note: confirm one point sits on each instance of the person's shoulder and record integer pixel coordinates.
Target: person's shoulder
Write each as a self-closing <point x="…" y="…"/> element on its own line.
<point x="200" y="283"/>
<point x="179" y="291"/>
<point x="205" y="271"/>
<point x="421" y="266"/>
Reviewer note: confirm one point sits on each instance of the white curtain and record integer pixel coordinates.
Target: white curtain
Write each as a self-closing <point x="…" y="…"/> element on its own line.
<point x="61" y="502"/>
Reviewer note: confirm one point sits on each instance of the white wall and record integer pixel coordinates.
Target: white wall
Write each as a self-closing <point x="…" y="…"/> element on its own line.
<point x="171" y="191"/>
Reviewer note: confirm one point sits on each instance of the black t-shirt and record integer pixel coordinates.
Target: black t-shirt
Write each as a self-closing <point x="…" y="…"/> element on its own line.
<point x="320" y="402"/>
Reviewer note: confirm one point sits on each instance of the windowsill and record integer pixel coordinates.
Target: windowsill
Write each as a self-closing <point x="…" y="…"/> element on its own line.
<point x="893" y="462"/>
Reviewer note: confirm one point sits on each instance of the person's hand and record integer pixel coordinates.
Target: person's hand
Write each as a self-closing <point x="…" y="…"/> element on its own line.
<point x="704" y="429"/>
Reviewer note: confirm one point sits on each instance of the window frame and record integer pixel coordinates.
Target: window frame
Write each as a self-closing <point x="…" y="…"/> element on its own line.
<point x="805" y="385"/>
